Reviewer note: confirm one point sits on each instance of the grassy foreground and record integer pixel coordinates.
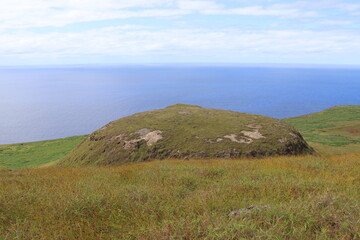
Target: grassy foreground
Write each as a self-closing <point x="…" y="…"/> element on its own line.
<point x="309" y="197"/>
<point x="33" y="154"/>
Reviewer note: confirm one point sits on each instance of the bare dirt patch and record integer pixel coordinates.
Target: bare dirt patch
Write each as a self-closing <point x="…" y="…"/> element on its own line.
<point x="354" y="131"/>
<point x="151" y="137"/>
<point x="185" y="113"/>
<point x="233" y="138"/>
<point x="249" y="136"/>
<point x="254" y="135"/>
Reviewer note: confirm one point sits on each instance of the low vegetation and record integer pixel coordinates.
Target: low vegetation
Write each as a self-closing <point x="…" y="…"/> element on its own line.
<point x="308" y="197"/>
<point x="335" y="130"/>
<point x="27" y="155"/>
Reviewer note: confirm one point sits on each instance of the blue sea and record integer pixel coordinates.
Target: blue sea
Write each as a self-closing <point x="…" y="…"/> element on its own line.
<point x="53" y="102"/>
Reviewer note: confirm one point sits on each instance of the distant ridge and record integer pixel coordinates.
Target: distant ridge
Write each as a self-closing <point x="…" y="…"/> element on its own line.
<point x="335" y="130"/>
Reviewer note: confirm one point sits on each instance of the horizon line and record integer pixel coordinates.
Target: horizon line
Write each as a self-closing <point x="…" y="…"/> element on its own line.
<point x="187" y="64"/>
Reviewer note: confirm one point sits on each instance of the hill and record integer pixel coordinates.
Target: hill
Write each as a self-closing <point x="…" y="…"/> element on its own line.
<point x="187" y="131"/>
<point x="335" y="130"/>
<point x="34" y="154"/>
<point x="302" y="197"/>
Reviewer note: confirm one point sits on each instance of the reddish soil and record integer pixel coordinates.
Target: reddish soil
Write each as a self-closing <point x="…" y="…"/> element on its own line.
<point x="354" y="131"/>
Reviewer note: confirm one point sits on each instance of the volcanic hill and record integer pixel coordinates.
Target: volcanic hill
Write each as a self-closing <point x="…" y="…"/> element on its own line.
<point x="187" y="131"/>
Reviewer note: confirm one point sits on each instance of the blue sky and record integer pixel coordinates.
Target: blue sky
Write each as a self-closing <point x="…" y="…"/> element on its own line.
<point x="179" y="31"/>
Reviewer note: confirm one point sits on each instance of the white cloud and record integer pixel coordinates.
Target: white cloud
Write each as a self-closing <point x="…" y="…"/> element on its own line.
<point x="335" y="22"/>
<point x="137" y="41"/>
<point x="275" y="11"/>
<point x="43" y="13"/>
<point x="348" y="7"/>
<point x="213" y="42"/>
<point x="318" y="5"/>
<point x="198" y="5"/>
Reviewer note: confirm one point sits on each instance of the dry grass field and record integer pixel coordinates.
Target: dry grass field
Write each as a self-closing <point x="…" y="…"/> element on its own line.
<point x="308" y="197"/>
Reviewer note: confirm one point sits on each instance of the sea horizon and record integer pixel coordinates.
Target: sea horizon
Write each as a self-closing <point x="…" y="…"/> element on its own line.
<point x="186" y="64"/>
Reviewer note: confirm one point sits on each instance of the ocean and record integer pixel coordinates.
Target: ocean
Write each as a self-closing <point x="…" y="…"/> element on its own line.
<point x="53" y="102"/>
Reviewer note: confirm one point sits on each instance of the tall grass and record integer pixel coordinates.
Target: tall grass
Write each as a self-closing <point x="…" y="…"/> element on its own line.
<point x="310" y="197"/>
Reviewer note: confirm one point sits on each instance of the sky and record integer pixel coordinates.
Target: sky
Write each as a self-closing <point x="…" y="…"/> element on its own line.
<point x="40" y="32"/>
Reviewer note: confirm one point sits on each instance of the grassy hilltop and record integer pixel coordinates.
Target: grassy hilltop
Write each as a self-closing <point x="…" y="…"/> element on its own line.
<point x="187" y="131"/>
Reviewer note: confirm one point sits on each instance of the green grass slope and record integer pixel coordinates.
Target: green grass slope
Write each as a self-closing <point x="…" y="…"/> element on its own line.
<point x="307" y="197"/>
<point x="335" y="130"/>
<point x="186" y="131"/>
<point x="27" y="155"/>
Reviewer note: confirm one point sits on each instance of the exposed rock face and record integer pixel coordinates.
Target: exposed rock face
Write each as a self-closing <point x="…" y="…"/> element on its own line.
<point x="185" y="131"/>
